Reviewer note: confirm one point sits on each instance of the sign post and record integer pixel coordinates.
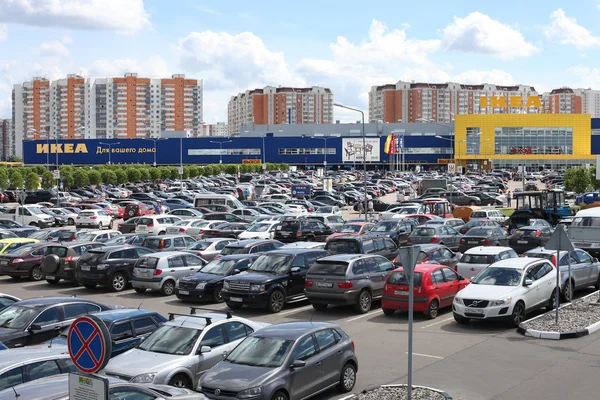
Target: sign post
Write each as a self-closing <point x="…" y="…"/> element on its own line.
<point x="300" y="190"/>
<point x="408" y="256"/>
<point x="451" y="169"/>
<point x="559" y="241"/>
<point x="90" y="347"/>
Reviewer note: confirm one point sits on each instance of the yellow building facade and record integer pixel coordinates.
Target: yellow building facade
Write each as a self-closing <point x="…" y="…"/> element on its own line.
<point x="536" y="141"/>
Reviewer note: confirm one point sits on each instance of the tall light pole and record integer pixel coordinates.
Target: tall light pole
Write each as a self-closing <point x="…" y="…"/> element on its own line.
<point x="221" y="148"/>
<point x="455" y="142"/>
<point x="325" y="139"/>
<point x="364" y="150"/>
<point x="109" y="148"/>
<point x="154" y="141"/>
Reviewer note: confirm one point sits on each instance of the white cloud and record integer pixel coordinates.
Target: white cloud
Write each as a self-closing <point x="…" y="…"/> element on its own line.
<point x="3" y="32"/>
<point x="587" y="77"/>
<point x="152" y="67"/>
<point x="478" y="33"/>
<point x="53" y="48"/>
<point x="208" y="10"/>
<point x="567" y="31"/>
<point x="127" y="17"/>
<point x="495" y="76"/>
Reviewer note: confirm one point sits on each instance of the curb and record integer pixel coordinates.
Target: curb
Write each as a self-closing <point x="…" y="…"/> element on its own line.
<point x="549" y="335"/>
<point x="368" y="389"/>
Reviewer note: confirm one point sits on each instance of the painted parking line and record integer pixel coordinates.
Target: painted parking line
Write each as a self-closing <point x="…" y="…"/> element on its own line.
<point x="364" y="315"/>
<point x="437" y="323"/>
<point x="31" y="284"/>
<point x="426" y="355"/>
<point x="295" y="310"/>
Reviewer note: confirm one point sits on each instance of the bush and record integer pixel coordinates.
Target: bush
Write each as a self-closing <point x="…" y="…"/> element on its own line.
<point x="144" y="174"/>
<point x="47" y="180"/>
<point x="94" y="177"/>
<point x="108" y="177"/>
<point x="577" y="179"/>
<point x="80" y="178"/>
<point x="4" y="183"/>
<point x="133" y="174"/>
<point x="16" y="180"/>
<point x="121" y="175"/>
<point x="154" y="173"/>
<point x="32" y="182"/>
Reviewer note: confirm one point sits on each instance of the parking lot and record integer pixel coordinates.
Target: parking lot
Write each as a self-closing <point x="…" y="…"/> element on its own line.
<point x="480" y="360"/>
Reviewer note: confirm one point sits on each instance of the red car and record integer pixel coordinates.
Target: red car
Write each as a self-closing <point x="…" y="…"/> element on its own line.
<point x="434" y="287"/>
<point x="422" y="218"/>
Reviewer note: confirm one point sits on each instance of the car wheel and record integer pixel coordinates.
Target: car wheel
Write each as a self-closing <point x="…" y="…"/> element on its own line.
<point x="319" y="306"/>
<point x="140" y="290"/>
<point x="70" y="221"/>
<point x="118" y="282"/>
<point x="110" y="226"/>
<point x="53" y="281"/>
<point x="180" y="381"/>
<point x="460" y="319"/>
<point x="161" y="232"/>
<point x="280" y="396"/>
<point x="89" y="285"/>
<point x="597" y="285"/>
<point x="567" y="292"/>
<point x="36" y="273"/>
<point x="33" y="224"/>
<point x="167" y="288"/>
<point x="218" y="294"/>
<point x="310" y="239"/>
<point x="363" y="305"/>
<point x="276" y="301"/>
<point x="552" y="301"/>
<point x="388" y="311"/>
<point x="347" y="379"/>
<point x="100" y="225"/>
<point x="433" y="309"/>
<point x="518" y="314"/>
<point x="472" y="202"/>
<point x="234" y="306"/>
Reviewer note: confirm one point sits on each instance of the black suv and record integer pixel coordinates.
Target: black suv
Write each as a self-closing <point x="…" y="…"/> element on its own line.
<point x="40" y="196"/>
<point x="274" y="279"/>
<point x="110" y="266"/>
<point x="461" y="199"/>
<point x="61" y="259"/>
<point x="250" y="246"/>
<point x="306" y="230"/>
<point x="366" y="244"/>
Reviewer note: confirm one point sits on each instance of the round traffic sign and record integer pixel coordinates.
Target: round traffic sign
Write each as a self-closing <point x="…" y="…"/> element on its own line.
<point x="89" y="344"/>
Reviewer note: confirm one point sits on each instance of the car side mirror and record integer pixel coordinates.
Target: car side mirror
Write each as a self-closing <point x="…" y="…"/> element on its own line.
<point x="461" y="278"/>
<point x="594" y="260"/>
<point x="295" y="269"/>
<point x="298" y="364"/>
<point x="236" y="271"/>
<point x="34" y="328"/>
<point x="205" y="349"/>
<point x="528" y="282"/>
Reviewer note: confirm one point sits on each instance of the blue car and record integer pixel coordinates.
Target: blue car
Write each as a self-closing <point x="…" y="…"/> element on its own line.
<point x="173" y="204"/>
<point x="127" y="327"/>
<point x="587" y="198"/>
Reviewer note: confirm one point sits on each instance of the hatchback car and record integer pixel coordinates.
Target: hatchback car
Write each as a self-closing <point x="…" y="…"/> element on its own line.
<point x="180" y="351"/>
<point x="434" y="288"/>
<point x="489" y="215"/>
<point x="352" y="229"/>
<point x="98" y="219"/>
<point x="155" y="224"/>
<point x="134" y="239"/>
<point x="168" y="242"/>
<point x="478" y="258"/>
<point x="347" y="280"/>
<point x="333" y="221"/>
<point x="294" y="360"/>
<point x="302" y="229"/>
<point x="529" y="237"/>
<point x="60" y="260"/>
<point x="435" y="254"/>
<point x="250" y="246"/>
<point x="484" y="236"/>
<point x="96" y="235"/>
<point x="474" y="224"/>
<point x="396" y="229"/>
<point x="186" y="213"/>
<point x="260" y="230"/>
<point x="435" y="234"/>
<point x="129" y="225"/>
<point x="160" y="271"/>
<point x="367" y="244"/>
<point x="226" y="229"/>
<point x="24" y="262"/>
<point x="208" y="249"/>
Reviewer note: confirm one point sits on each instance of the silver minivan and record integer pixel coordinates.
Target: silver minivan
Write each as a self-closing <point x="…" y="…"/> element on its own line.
<point x="160" y="271"/>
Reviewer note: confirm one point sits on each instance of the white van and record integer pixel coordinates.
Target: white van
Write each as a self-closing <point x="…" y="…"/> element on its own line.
<point x="584" y="231"/>
<point x="225" y="199"/>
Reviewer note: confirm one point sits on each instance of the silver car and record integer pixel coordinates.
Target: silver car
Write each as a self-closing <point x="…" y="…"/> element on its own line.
<point x="209" y="248"/>
<point x="185" y="213"/>
<point x="160" y="271"/>
<point x="182" y="350"/>
<point x="333" y="221"/>
<point x="435" y="234"/>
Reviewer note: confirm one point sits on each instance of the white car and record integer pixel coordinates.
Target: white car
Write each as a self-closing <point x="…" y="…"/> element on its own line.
<point x="69" y="215"/>
<point x="96" y="235"/>
<point x="155" y="224"/>
<point x="488" y="215"/>
<point x="296" y="208"/>
<point x="279" y="198"/>
<point x="476" y="259"/>
<point x="186" y="225"/>
<point x="94" y="219"/>
<point x="261" y="230"/>
<point x="118" y="193"/>
<point x="508" y="289"/>
<point x="185" y="213"/>
<point x="335" y="210"/>
<point x="401" y="211"/>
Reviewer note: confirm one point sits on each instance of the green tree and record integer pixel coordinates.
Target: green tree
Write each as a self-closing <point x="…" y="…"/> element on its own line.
<point x="16" y="180"/>
<point x="284" y="167"/>
<point x="121" y="175"/>
<point x="154" y="173"/>
<point x="47" y="180"/>
<point x="4" y="184"/>
<point x="174" y="173"/>
<point x="231" y="169"/>
<point x="144" y="174"/>
<point x="15" y="159"/>
<point x="577" y="179"/>
<point x="80" y="178"/>
<point x="67" y="178"/>
<point x="108" y="177"/>
<point x="133" y="174"/>
<point x="186" y="172"/>
<point x="32" y="181"/>
<point x="94" y="177"/>
<point x="595" y="182"/>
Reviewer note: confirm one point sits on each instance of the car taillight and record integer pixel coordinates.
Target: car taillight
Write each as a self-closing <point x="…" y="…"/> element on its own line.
<point x="78" y="217"/>
<point x="93" y="217"/>
<point x="17" y="260"/>
<point x="121" y="226"/>
<point x="162" y="244"/>
<point x="157" y="272"/>
<point x="73" y="238"/>
<point x="434" y="240"/>
<point x="485" y="241"/>
<point x="345" y="285"/>
<point x="201" y="231"/>
<point x="299" y="234"/>
<point x="181" y="229"/>
<point x="408" y="240"/>
<point x="352" y="342"/>
<point x="150" y="225"/>
<point x="554" y="260"/>
<point x="538" y="233"/>
<point x="68" y="258"/>
<point x="308" y="283"/>
<point x="199" y="255"/>
<point x="462" y="241"/>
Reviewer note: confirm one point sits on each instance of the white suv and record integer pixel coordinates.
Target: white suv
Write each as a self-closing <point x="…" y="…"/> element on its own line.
<point x="94" y="219"/>
<point x="488" y="215"/>
<point x="155" y="224"/>
<point x="508" y="289"/>
<point x="476" y="259"/>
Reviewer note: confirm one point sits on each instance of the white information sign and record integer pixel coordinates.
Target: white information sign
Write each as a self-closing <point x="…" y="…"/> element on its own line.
<point x="352" y="149"/>
<point x="87" y="387"/>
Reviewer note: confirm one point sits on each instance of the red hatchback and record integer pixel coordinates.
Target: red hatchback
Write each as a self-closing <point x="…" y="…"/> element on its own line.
<point x="434" y="287"/>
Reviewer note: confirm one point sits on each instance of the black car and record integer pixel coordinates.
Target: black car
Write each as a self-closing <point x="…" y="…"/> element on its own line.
<point x="59" y="220"/>
<point x="329" y="200"/>
<point x="208" y="283"/>
<point x="476" y="224"/>
<point x="396" y="229"/>
<point x="40" y="196"/>
<point x="529" y="237"/>
<point x="483" y="236"/>
<point x="129" y="225"/>
<point x="487" y="199"/>
<point x="365" y="244"/>
<point x="110" y="266"/>
<point x="225" y="230"/>
<point x="222" y="216"/>
<point x="274" y="279"/>
<point x="435" y="254"/>
<point x="524" y="220"/>
<point x="305" y="230"/>
<point x="250" y="246"/>
<point x="33" y="321"/>
<point x="305" y="203"/>
<point x="378" y="205"/>
<point x="60" y="260"/>
<point x="461" y="199"/>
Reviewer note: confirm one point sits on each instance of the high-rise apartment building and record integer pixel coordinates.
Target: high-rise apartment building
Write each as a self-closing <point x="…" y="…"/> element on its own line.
<point x="439" y="102"/>
<point x="67" y="107"/>
<point x="590" y="101"/>
<point x="562" y="101"/>
<point x="280" y="105"/>
<point x="7" y="143"/>
<point x="31" y="109"/>
<point x="218" y="129"/>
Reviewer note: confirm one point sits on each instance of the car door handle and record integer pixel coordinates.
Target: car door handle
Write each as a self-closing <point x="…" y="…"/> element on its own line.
<point x="318" y="363"/>
<point x="172" y="270"/>
<point x="367" y="276"/>
<point x="437" y="288"/>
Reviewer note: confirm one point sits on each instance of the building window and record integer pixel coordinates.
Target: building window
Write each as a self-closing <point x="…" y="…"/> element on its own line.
<point x="428" y="150"/>
<point x="534" y="141"/>
<point x="473" y="140"/>
<point x="306" y="151"/>
<point x="226" y="152"/>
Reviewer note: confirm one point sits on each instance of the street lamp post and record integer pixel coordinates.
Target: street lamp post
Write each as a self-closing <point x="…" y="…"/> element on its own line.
<point x="324" y="139"/>
<point x="154" y="147"/>
<point x="455" y="142"/>
<point x="109" y="148"/>
<point x="364" y="150"/>
<point x="221" y="148"/>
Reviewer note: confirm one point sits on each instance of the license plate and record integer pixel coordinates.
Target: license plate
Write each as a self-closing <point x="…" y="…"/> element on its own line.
<point x="401" y="292"/>
<point x="324" y="284"/>
<point x="522" y="241"/>
<point x="284" y="233"/>
<point x="141" y="228"/>
<point x="85" y="267"/>
<point x="473" y="242"/>
<point x="49" y="277"/>
<point x="184" y="292"/>
<point x="278" y="228"/>
<point x="236" y="299"/>
<point x="474" y="310"/>
<point x="4" y="262"/>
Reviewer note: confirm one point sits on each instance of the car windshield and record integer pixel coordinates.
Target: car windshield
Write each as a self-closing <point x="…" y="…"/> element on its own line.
<point x="478" y="214"/>
<point x="228" y="250"/>
<point x="168" y="339"/>
<point x="39" y="235"/>
<point x="35" y="210"/>
<point x="271" y="263"/>
<point x="498" y="276"/>
<point x="407" y="210"/>
<point x="16" y="317"/>
<point x="325" y="210"/>
<point x="218" y="267"/>
<point x="350" y="229"/>
<point x="259" y="228"/>
<point x="328" y="268"/>
<point x="342" y="247"/>
<point x="22" y="250"/>
<point x="399" y="278"/>
<point x="423" y="232"/>
<point x="260" y="352"/>
<point x="182" y="223"/>
<point x="200" y="245"/>
<point x="385" y="226"/>
<point x="86" y="236"/>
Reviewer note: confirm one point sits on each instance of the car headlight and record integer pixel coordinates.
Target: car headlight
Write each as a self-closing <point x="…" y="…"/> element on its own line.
<point x="504" y="301"/>
<point x="177" y="283"/>
<point x="225" y="285"/>
<point x="144" y="378"/>
<point x="257" y="288"/>
<point x="458" y="300"/>
<point x="250" y="393"/>
<point x="201" y="285"/>
<point x="101" y="267"/>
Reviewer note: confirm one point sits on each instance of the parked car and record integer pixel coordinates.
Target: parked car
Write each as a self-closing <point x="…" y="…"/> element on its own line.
<point x="226" y="229"/>
<point x="335" y="210"/>
<point x="508" y="289"/>
<point x="187" y="226"/>
<point x="366" y="244"/>
<point x="8" y="245"/>
<point x="97" y="235"/>
<point x="435" y="287"/>
<point x="461" y="199"/>
<point x="585" y="269"/>
<point x="301" y="229"/>
<point x="475" y="224"/>
<point x="455" y="223"/>
<point x="352" y="229"/>
<point x="94" y="219"/>
<point x="347" y="280"/>
<point x="155" y="224"/>
<point x="6" y="234"/>
<point x="54" y="235"/>
<point x="173" y="203"/>
<point x="260" y="230"/>
<point x="286" y="361"/>
<point x="33" y="321"/>
<point x="333" y="221"/>
<point x="168" y="242"/>
<point x="478" y="258"/>
<point x="529" y="237"/>
<point x="60" y="260"/>
<point x="187" y="213"/>
<point x="207" y="284"/>
<point x="160" y="271"/>
<point x="247" y="214"/>
<point x="484" y="236"/>
<point x="304" y="245"/>
<point x="250" y="246"/>
<point x="7" y="300"/>
<point x="137" y="209"/>
<point x="435" y="254"/>
<point x="517" y="223"/>
<point x="17" y="228"/>
<point x="201" y="340"/>
<point x="129" y="238"/>
<point x="488" y="215"/>
<point x="435" y="234"/>
<point x="273" y="280"/>
<point x="129" y="225"/>
<point x="24" y="262"/>
<point x="208" y="249"/>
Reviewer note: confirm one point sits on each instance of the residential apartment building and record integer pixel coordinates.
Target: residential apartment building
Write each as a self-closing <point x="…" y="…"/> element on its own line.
<point x="218" y="129"/>
<point x="31" y="109"/>
<point x="562" y="101"/>
<point x="7" y="143"/>
<point x="280" y="105"/>
<point x="590" y="101"/>
<point x="439" y="102"/>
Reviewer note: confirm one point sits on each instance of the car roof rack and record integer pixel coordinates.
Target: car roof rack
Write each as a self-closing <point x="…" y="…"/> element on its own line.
<point x="194" y="315"/>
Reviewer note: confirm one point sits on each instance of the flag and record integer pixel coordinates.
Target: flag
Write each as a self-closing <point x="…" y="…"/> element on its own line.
<point x="386" y="147"/>
<point x="393" y="144"/>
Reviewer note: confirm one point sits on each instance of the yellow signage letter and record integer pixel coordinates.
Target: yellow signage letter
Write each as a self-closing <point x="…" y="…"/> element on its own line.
<point x="533" y="101"/>
<point x="41" y="148"/>
<point x="516" y="101"/>
<point x="498" y="101"/>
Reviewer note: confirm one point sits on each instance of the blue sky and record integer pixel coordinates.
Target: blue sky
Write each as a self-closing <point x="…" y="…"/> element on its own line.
<point x="345" y="45"/>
